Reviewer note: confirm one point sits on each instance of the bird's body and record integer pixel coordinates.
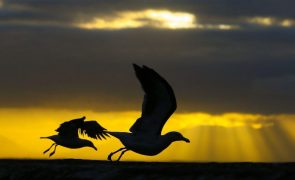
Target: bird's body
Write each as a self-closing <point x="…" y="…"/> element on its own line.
<point x="68" y="134"/>
<point x="69" y="142"/>
<point x="159" y="104"/>
<point x="145" y="145"/>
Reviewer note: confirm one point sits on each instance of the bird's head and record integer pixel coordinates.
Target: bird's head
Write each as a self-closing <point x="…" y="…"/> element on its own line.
<point x="90" y="144"/>
<point x="176" y="136"/>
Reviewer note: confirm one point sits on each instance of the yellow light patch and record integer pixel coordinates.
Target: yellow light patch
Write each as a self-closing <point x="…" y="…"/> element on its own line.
<point x="150" y="18"/>
<point x="271" y="21"/>
<point x="224" y="137"/>
<point x="223" y="120"/>
<point x="162" y="19"/>
<point x="265" y="21"/>
<point x="287" y="23"/>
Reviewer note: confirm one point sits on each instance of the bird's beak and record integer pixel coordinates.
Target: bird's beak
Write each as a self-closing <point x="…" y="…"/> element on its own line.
<point x="186" y="140"/>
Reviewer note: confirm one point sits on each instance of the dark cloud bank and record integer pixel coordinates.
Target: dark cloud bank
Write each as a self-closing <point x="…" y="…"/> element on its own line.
<point x="249" y="70"/>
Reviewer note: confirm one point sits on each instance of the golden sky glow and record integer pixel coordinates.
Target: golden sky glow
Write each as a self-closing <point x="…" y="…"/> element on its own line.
<point x="162" y="19"/>
<point x="225" y="137"/>
<point x="159" y="19"/>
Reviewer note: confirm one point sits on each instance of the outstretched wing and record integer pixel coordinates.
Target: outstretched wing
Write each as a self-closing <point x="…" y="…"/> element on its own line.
<point x="159" y="102"/>
<point x="93" y="130"/>
<point x="70" y="128"/>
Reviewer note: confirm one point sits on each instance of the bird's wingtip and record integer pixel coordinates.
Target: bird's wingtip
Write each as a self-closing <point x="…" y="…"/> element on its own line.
<point x="135" y="66"/>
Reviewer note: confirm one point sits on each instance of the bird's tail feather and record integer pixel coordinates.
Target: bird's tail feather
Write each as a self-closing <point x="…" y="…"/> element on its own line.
<point x="44" y="137"/>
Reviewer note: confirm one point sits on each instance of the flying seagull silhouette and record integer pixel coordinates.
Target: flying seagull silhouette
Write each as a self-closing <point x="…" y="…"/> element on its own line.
<point x="68" y="134"/>
<point x="158" y="105"/>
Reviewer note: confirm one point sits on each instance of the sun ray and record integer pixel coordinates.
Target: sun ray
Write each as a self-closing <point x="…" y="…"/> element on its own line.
<point x="224" y="137"/>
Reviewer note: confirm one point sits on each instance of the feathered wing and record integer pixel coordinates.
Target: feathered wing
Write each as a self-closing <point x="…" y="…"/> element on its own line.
<point x="93" y="130"/>
<point x="72" y="128"/>
<point x="159" y="102"/>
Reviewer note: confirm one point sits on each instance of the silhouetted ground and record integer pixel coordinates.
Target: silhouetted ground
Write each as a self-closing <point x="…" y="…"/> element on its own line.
<point x="86" y="169"/>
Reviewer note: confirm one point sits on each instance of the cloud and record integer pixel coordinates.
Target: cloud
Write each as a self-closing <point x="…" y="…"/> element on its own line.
<point x="210" y="71"/>
<point x="217" y="8"/>
<point x="46" y="61"/>
<point x="283" y="85"/>
<point x="219" y="15"/>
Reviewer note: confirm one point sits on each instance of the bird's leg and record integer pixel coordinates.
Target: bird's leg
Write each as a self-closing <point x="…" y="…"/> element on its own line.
<point x="48" y="148"/>
<point x="53" y="150"/>
<point x="122" y="154"/>
<point x="112" y="153"/>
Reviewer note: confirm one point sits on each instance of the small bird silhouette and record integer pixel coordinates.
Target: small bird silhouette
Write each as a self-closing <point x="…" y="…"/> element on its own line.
<point x="158" y="105"/>
<point x="68" y="134"/>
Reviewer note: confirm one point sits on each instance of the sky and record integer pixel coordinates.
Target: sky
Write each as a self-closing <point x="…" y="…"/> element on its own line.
<point x="230" y="63"/>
